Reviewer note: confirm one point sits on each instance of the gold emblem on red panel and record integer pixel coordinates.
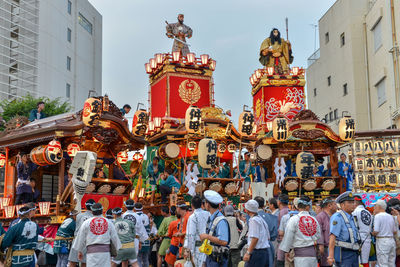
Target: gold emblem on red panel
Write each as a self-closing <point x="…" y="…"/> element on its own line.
<point x="189" y="91"/>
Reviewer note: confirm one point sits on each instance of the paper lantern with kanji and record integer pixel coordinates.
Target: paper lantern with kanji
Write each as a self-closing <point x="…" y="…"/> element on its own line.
<point x="380" y="163"/>
<point x="393" y="179"/>
<point x="371" y="180"/>
<point x="246" y="123"/>
<point x="378" y="147"/>
<point x="369" y="164"/>
<point x="381" y="181"/>
<point x="122" y="157"/>
<point x="2" y="160"/>
<point x="72" y="149"/>
<point x="305" y="163"/>
<point x="140" y="121"/>
<point x="368" y="148"/>
<point x="207" y="153"/>
<point x="357" y="147"/>
<point x="91" y="112"/>
<point x="192" y="119"/>
<point x="390" y="146"/>
<point x="54" y="151"/>
<point x="360" y="180"/>
<point x="280" y="129"/>
<point x="359" y="164"/>
<point x="347" y="128"/>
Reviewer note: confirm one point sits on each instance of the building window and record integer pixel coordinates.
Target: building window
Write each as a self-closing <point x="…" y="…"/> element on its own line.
<point x="342" y="39"/>
<point x="69" y="7"/>
<point x="326" y="118"/>
<point x="331" y="116"/>
<point x="85" y="23"/>
<point x="329" y="80"/>
<point x="380" y="88"/>
<point x="68" y="63"/>
<point x="68" y="90"/>
<point x="69" y="34"/>
<point x="326" y="37"/>
<point x="335" y="114"/>
<point x="345" y="92"/>
<point x="315" y="91"/>
<point x="377" y="31"/>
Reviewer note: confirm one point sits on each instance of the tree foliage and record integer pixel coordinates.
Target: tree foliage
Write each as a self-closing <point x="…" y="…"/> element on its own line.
<point x="23" y="106"/>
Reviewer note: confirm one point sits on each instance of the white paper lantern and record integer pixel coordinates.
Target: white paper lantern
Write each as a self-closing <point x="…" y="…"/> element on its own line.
<point x="280" y="129"/>
<point x="369" y="164"/>
<point x="347" y="128"/>
<point x="359" y="164"/>
<point x="246" y="123"/>
<point x="368" y="148"/>
<point x="378" y="147"/>
<point x="305" y="164"/>
<point x="390" y="146"/>
<point x="192" y="119"/>
<point x="207" y="153"/>
<point x="357" y="147"/>
<point x="380" y="163"/>
<point x="391" y="163"/>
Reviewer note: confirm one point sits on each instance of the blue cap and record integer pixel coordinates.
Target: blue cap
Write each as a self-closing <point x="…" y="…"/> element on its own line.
<point x="213" y="197"/>
<point x="346" y="196"/>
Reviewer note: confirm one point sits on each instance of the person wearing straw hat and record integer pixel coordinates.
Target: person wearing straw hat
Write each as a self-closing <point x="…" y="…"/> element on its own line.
<point x="126" y="232"/>
<point x="217" y="231"/>
<point x="80" y="219"/>
<point x="301" y="235"/>
<point x="344" y="238"/>
<point x="385" y="229"/>
<point x="364" y="220"/>
<point x="23" y="238"/>
<point x="141" y="233"/>
<point x="98" y="235"/>
<point x="66" y="230"/>
<point x="257" y="238"/>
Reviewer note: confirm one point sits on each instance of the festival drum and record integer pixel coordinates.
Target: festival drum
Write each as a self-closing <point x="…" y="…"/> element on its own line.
<point x="90" y="188"/>
<point x="200" y="187"/>
<point x="169" y="151"/>
<point x="309" y="185"/>
<point x="104" y="189"/>
<point x="291" y="185"/>
<point x="119" y="190"/>
<point x="216" y="186"/>
<point x="43" y="155"/>
<point x="230" y="188"/>
<point x="264" y="152"/>
<point x="328" y="184"/>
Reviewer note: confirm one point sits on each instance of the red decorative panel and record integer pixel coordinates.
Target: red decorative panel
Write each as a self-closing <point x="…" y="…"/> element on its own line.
<point x="108" y="201"/>
<point x="158" y="98"/>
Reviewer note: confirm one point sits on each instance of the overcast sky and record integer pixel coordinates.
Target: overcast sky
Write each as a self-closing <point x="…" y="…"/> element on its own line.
<point x="230" y="31"/>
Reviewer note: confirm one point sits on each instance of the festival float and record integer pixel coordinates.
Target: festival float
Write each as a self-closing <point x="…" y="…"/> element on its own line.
<point x="52" y="144"/>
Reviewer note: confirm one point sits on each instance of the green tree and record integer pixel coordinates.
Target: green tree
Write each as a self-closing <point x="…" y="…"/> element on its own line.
<point x="23" y="106"/>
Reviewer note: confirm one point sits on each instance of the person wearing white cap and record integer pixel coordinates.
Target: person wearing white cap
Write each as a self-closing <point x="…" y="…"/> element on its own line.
<point x="301" y="235"/>
<point x="23" y="238"/>
<point x="97" y="234"/>
<point x="257" y="237"/>
<point x="384" y="229"/>
<point x="217" y="231"/>
<point x="364" y="220"/>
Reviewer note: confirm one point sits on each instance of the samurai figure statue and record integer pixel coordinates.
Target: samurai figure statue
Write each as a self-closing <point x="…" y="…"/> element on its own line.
<point x="179" y="31"/>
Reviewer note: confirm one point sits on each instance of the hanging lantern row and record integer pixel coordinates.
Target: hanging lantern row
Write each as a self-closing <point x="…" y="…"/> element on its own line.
<point x="377" y="180"/>
<point x="378" y="163"/>
<point x="370" y="147"/>
<point x="176" y="57"/>
<point x="269" y="71"/>
<point x="140" y="122"/>
<point x="154" y="125"/>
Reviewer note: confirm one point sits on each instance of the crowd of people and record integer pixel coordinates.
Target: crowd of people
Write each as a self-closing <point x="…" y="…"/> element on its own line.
<point x="276" y="232"/>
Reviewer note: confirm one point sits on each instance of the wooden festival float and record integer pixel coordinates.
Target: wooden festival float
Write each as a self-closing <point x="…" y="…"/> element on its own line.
<point x="293" y="137"/>
<point x="52" y="143"/>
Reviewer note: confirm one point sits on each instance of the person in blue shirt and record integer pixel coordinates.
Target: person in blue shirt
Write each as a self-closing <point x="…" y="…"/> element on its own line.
<point x="66" y="230"/>
<point x="272" y="222"/>
<point x="167" y="182"/>
<point x="246" y="171"/>
<point x="37" y="114"/>
<point x="154" y="170"/>
<point x="217" y="231"/>
<point x="346" y="171"/>
<point x="22" y="238"/>
<point x="125" y="109"/>
<point x="344" y="239"/>
<point x="24" y="173"/>
<point x="328" y="171"/>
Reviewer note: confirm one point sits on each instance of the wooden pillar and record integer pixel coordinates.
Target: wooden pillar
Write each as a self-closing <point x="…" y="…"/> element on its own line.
<point x="111" y="171"/>
<point x="61" y="173"/>
<point x="231" y="168"/>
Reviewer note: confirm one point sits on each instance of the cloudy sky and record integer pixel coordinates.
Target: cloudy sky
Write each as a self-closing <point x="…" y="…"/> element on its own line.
<point x="230" y="31"/>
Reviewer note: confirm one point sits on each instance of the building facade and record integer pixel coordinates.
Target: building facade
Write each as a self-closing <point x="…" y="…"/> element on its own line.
<point x="50" y="48"/>
<point x="355" y="71"/>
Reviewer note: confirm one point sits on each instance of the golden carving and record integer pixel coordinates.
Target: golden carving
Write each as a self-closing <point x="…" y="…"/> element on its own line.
<point x="216" y="133"/>
<point x="213" y="113"/>
<point x="189" y="91"/>
<point x="258" y="108"/>
<point x="278" y="82"/>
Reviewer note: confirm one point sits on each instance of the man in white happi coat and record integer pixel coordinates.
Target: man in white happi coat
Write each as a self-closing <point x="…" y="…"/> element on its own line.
<point x="196" y="225"/>
<point x="364" y="219"/>
<point x="385" y="229"/>
<point x="141" y="232"/>
<point x="97" y="235"/>
<point x="301" y="234"/>
<point x="80" y="219"/>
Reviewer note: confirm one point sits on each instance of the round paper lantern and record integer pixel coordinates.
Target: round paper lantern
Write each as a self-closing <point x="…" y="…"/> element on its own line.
<point x="122" y="157"/>
<point x="371" y="180"/>
<point x="347" y="128"/>
<point x="231" y="148"/>
<point x="390" y="146"/>
<point x="137" y="156"/>
<point x="369" y="164"/>
<point x="393" y="179"/>
<point x="246" y="123"/>
<point x="54" y="152"/>
<point x="72" y="149"/>
<point x="192" y="119"/>
<point x="380" y="163"/>
<point x="2" y="160"/>
<point x="357" y="147"/>
<point x="359" y="163"/>
<point x="378" y="147"/>
<point x="381" y="180"/>
<point x="367" y="148"/>
<point x="360" y="180"/>
<point x="280" y="129"/>
<point x="91" y="112"/>
<point x="192" y="146"/>
<point x="221" y="148"/>
<point x="207" y="153"/>
<point x="391" y="163"/>
<point x="264" y="152"/>
<point x="140" y="122"/>
<point x="305" y="164"/>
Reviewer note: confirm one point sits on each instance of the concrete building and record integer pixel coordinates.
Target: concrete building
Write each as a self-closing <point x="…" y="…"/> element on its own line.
<point x="50" y="48"/>
<point x="355" y="71"/>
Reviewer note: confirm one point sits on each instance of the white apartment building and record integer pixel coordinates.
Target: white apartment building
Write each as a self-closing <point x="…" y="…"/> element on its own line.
<point x="50" y="48"/>
<point x="355" y="71"/>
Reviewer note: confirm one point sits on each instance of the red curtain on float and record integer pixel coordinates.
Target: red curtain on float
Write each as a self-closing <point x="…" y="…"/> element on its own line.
<point x="108" y="201"/>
